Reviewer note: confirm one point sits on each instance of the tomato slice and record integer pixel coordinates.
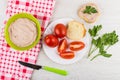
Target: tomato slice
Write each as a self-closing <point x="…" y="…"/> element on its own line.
<point x="76" y="45"/>
<point x="67" y="55"/>
<point x="62" y="45"/>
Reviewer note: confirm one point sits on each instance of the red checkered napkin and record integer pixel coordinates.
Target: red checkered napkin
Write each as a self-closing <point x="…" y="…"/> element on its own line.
<point x="10" y="69"/>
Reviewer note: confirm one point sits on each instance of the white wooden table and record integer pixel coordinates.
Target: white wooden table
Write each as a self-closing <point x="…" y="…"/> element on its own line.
<point x="99" y="69"/>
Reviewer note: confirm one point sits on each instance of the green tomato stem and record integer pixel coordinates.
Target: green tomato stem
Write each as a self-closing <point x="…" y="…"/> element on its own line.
<point x="95" y="57"/>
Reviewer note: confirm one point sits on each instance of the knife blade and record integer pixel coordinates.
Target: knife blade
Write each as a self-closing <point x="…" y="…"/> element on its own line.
<point x="47" y="68"/>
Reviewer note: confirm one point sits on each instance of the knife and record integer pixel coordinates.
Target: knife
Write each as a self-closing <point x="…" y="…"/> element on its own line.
<point x="47" y="68"/>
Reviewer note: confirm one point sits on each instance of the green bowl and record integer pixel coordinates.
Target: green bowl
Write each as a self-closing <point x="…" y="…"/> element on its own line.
<point x="15" y="17"/>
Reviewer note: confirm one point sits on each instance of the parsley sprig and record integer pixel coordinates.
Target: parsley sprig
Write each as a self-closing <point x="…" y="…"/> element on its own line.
<point x="101" y="43"/>
<point x="90" y="10"/>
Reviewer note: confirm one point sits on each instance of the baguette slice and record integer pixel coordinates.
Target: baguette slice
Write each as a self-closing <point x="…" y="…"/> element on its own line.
<point x="75" y="30"/>
<point x="90" y="18"/>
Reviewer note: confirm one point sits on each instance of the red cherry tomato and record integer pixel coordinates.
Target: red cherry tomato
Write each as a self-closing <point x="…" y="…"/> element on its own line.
<point x="67" y="55"/>
<point x="51" y="40"/>
<point x="76" y="46"/>
<point x="60" y="30"/>
<point x="62" y="45"/>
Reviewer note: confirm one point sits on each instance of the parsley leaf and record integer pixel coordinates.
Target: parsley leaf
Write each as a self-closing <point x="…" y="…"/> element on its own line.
<point x="90" y="9"/>
<point x="93" y="32"/>
<point x="110" y="38"/>
<point x="103" y="52"/>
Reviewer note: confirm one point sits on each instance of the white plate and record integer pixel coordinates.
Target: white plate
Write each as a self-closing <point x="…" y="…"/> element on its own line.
<point x="52" y="52"/>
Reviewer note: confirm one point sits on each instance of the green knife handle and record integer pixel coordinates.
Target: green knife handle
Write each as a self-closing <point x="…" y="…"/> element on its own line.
<point x="55" y="70"/>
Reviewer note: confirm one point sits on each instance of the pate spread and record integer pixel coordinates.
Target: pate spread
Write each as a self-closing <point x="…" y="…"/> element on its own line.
<point x="23" y="32"/>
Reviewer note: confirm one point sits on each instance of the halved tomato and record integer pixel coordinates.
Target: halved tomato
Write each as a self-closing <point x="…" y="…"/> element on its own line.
<point x="76" y="45"/>
<point x="67" y="54"/>
<point x="62" y="45"/>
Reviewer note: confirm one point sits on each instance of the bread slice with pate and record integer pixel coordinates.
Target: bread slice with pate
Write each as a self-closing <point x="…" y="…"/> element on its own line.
<point x="89" y="12"/>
